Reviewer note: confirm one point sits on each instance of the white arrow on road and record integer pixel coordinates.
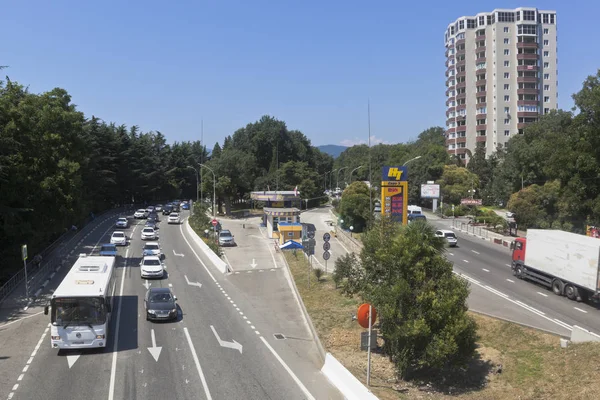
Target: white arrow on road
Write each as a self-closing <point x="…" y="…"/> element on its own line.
<point x="253" y="265"/>
<point x="192" y="283"/>
<point x="178" y="255"/>
<point x="155" y="351"/>
<point x="146" y="284"/>
<point x="72" y="359"/>
<point x="231" y="345"/>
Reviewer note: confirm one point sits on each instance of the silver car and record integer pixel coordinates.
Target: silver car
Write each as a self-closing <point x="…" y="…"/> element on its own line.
<point x="226" y="238"/>
<point x="450" y="237"/>
<point x="122" y="223"/>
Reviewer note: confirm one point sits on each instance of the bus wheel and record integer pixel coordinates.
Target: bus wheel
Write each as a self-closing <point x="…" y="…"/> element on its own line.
<point x="557" y="287"/>
<point x="571" y="292"/>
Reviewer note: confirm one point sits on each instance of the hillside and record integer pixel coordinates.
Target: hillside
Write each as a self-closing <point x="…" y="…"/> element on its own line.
<point x="333" y="150"/>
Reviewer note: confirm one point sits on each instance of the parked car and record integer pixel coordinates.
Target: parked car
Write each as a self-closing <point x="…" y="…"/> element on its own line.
<point x="450" y="237"/>
<point x="152" y="249"/>
<point x="118" y="238"/>
<point x="226" y="238"/>
<point x="151" y="267"/>
<point x="149" y="234"/>
<point x="160" y="304"/>
<point x="140" y="214"/>
<point x="174" y="218"/>
<point x="122" y="223"/>
<point x="109" y="250"/>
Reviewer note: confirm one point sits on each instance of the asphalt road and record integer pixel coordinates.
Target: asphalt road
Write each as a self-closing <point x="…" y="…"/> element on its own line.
<point x="221" y="346"/>
<point x="320" y="218"/>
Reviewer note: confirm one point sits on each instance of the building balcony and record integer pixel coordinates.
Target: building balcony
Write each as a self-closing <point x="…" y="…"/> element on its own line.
<point x="448" y="80"/>
<point x="527" y="68"/>
<point x="461" y="150"/>
<point x="527" y="45"/>
<point x="461" y="107"/>
<point x="461" y="139"/>
<point x="461" y="128"/>
<point x="461" y="74"/>
<point x="480" y="138"/>
<point x="528" y="102"/>
<point x="451" y="151"/>
<point x="521" y="125"/>
<point x="450" y="141"/>
<point x="479" y="38"/>
<point x="449" y="110"/>
<point x="480" y="116"/>
<point x="461" y="85"/>
<point x="527" y="56"/>
<point x="479" y="105"/>
<point x="481" y="94"/>
<point x="461" y="63"/>
<point x="528" y="91"/>
<point x="480" y="71"/>
<point x="480" y="60"/>
<point x="450" y="88"/>
<point x="451" y="130"/>
<point x="449" y="100"/>
<point x="527" y="79"/>
<point x="482" y="127"/>
<point x="525" y="114"/>
<point x="479" y="49"/>
<point x="459" y="42"/>
<point x="461" y="52"/>
<point x="461" y="96"/>
<point x="480" y="82"/>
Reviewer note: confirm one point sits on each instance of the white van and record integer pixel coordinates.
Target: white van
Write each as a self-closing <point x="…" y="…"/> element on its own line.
<point x="414" y="210"/>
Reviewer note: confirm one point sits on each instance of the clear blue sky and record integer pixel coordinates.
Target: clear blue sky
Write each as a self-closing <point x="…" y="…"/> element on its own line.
<point x="165" y="65"/>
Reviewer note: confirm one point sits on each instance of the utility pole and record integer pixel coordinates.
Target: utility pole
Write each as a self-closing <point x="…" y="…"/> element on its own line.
<point x="201" y="158"/>
<point x="370" y="176"/>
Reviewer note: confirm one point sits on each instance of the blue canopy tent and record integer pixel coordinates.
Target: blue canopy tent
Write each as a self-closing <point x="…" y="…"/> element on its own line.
<point x="291" y="245"/>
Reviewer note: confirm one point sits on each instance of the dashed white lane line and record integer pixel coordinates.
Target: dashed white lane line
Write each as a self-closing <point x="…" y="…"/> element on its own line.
<point x="486" y="270"/>
<point x="542" y="294"/>
<point x="37" y="346"/>
<point x="467" y="261"/>
<point x="510" y="280"/>
<point x="452" y="254"/>
<point x="579" y="309"/>
<point x="508" y="265"/>
<point x="476" y="252"/>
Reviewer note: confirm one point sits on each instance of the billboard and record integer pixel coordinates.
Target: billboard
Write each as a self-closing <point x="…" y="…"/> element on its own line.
<point x="471" y="202"/>
<point x="394" y="174"/>
<point x="430" y="191"/>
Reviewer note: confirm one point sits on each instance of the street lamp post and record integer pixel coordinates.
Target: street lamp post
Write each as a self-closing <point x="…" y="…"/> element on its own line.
<point x="337" y="183"/>
<point x="412" y="159"/>
<point x="197" y="184"/>
<point x="351" y="172"/>
<point x="214" y="195"/>
<point x="330" y="177"/>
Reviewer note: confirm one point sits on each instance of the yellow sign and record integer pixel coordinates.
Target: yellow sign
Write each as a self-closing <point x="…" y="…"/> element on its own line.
<point x="391" y="183"/>
<point x="394" y="200"/>
<point x="84" y="282"/>
<point x="395" y="173"/>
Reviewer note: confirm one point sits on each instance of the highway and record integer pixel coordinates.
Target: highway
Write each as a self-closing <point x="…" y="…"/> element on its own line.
<point x="222" y="345"/>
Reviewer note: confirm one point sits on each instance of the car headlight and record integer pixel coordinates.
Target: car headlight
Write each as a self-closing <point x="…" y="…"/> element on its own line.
<point x="173" y="310"/>
<point x="151" y="312"/>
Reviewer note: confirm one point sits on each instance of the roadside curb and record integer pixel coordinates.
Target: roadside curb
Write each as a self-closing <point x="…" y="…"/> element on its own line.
<point x="313" y="331"/>
<point x="519" y="323"/>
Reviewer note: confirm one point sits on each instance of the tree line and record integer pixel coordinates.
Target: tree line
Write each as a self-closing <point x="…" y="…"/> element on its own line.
<point x="57" y="166"/>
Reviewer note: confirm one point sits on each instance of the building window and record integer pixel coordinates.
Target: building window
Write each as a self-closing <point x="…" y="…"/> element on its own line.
<point x="545" y="42"/>
<point x="527" y="29"/>
<point x="481" y="20"/>
<point x="506" y="98"/>
<point x="546" y="87"/>
<point x="461" y="24"/>
<point x="506" y="133"/>
<point x="507" y="63"/>
<point x="546" y="99"/>
<point x="545" y="18"/>
<point x="546" y="110"/>
<point x="546" y="65"/>
<point x="545" y="31"/>
<point x="506" y="86"/>
<point x="506" y="52"/>
<point x="528" y="15"/>
<point x="470" y="24"/>
<point x="506" y="29"/>
<point x="506" y="110"/>
<point x="506" y="75"/>
<point x="506" y="17"/>
<point x="546" y="76"/>
<point x="506" y="121"/>
<point x="505" y="40"/>
<point x="546" y="54"/>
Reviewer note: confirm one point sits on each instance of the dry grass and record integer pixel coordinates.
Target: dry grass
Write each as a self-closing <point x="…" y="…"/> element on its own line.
<point x="514" y="362"/>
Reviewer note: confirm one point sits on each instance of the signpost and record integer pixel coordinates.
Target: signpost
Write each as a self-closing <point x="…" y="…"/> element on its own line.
<point x="366" y="315"/>
<point x="214" y="222"/>
<point x="24" y="256"/>
<point x="326" y="247"/>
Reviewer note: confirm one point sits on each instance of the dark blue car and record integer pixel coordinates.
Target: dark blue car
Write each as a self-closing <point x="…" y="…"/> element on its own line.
<point x="108" y="250"/>
<point x="186" y="206"/>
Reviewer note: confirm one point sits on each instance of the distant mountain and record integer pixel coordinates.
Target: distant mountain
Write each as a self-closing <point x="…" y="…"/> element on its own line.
<point x="333" y="150"/>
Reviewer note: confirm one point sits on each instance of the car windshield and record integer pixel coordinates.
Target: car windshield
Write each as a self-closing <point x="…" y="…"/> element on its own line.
<point x="151" y="247"/>
<point x="450" y="235"/>
<point x="151" y="262"/>
<point x="160" y="298"/>
<point x="141" y="210"/>
<point x="107" y="248"/>
<point x="122" y="219"/>
<point x="78" y="311"/>
<point x="174" y="215"/>
<point x="225" y="234"/>
<point x="118" y="234"/>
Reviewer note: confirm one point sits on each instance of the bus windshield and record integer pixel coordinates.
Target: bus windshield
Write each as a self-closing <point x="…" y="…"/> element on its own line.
<point x="68" y="311"/>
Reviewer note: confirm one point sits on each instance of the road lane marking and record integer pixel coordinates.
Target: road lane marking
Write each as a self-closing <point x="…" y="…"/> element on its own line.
<point x="542" y="294"/>
<point x="510" y="280"/>
<point x="529" y="307"/>
<point x="486" y="270"/>
<point x="197" y="362"/>
<point x="452" y="254"/>
<point x="499" y="293"/>
<point x="20" y="319"/>
<point x="476" y="252"/>
<point x="508" y="265"/>
<point x="289" y="371"/>
<point x="196" y="254"/>
<point x="579" y="309"/>
<point x="113" y="368"/>
<point x="467" y="261"/>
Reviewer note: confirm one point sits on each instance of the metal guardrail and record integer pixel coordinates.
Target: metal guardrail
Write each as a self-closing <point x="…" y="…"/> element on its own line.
<point x="52" y="256"/>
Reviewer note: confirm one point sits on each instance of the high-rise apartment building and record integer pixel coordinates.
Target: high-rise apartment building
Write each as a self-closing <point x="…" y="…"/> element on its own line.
<point x="501" y="74"/>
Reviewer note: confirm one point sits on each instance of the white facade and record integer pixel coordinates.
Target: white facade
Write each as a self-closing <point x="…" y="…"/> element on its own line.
<point x="501" y="75"/>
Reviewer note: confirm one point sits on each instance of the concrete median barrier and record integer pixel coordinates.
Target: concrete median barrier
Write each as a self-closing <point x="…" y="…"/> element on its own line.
<point x="350" y="387"/>
<point x="215" y="259"/>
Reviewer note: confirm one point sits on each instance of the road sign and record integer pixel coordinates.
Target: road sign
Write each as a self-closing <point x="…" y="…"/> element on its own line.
<point x="214" y="222"/>
<point x="311" y="234"/>
<point x="326" y="236"/>
<point x="326" y="255"/>
<point x="326" y="246"/>
<point x="363" y="315"/>
<point x="24" y="252"/>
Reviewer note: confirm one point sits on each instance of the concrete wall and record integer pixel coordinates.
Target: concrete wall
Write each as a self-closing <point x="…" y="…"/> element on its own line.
<point x="347" y="384"/>
<point x="215" y="259"/>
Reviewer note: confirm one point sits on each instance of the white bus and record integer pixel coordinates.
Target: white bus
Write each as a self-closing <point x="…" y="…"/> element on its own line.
<point x="81" y="305"/>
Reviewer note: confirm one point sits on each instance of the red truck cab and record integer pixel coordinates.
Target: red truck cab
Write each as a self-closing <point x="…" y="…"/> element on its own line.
<point x="518" y="247"/>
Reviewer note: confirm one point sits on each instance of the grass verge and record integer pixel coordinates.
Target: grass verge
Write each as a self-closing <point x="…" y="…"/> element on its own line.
<point x="514" y="362"/>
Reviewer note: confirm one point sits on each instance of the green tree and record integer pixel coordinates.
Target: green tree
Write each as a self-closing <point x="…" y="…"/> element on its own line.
<point x="355" y="206"/>
<point x="456" y="182"/>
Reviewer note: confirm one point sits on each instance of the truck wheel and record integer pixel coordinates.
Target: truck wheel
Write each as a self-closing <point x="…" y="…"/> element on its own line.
<point x="557" y="287"/>
<point x="571" y="292"/>
<point x="518" y="271"/>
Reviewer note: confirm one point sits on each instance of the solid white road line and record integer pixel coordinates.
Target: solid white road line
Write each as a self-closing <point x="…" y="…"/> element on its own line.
<point x="542" y="294"/>
<point x="289" y="371"/>
<point x="20" y="319"/>
<point x="197" y="362"/>
<point x="510" y="280"/>
<point x="486" y="270"/>
<point x="196" y="254"/>
<point x="579" y="309"/>
<point x="467" y="261"/>
<point x="476" y="252"/>
<point x="113" y="368"/>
